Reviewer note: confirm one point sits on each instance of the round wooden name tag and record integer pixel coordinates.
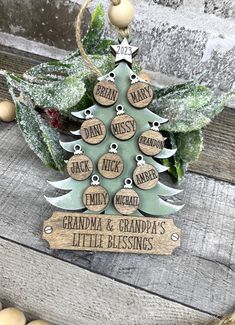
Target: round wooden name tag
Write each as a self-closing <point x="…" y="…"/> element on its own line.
<point x="140" y="94"/>
<point x="123" y="126"/>
<point x="151" y="142"/>
<point x="145" y="176"/>
<point x="95" y="197"/>
<point x="105" y="93"/>
<point x="126" y="201"/>
<point x="110" y="165"/>
<point x="79" y="166"/>
<point x="93" y="131"/>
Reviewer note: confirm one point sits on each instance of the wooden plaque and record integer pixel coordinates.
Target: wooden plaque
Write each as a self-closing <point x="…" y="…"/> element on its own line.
<point x="105" y="93"/>
<point x="110" y="165"/>
<point x="151" y="142"/>
<point x="79" y="167"/>
<point x="111" y="233"/>
<point x="145" y="176"/>
<point x="93" y="131"/>
<point x="123" y="127"/>
<point x="140" y="94"/>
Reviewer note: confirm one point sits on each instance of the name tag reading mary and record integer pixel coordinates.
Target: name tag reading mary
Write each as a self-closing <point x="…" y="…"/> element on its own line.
<point x="111" y="233"/>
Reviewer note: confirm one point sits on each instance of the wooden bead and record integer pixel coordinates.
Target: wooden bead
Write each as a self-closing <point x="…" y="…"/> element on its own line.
<point x="151" y="142"/>
<point x="79" y="167"/>
<point x="145" y="176"/>
<point x="110" y="165"/>
<point x="123" y="127"/>
<point x="95" y="198"/>
<point x="126" y="201"/>
<point x="12" y="316"/>
<point x="122" y="14"/>
<point x="7" y="111"/>
<point x="105" y="93"/>
<point x="93" y="131"/>
<point x="140" y="94"/>
<point x="38" y="322"/>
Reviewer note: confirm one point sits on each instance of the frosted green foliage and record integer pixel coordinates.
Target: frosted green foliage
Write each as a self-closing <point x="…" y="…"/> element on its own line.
<point x="189" y="146"/>
<point x="150" y="201"/>
<point x="93" y="42"/>
<point x="188" y="108"/>
<point x="41" y="137"/>
<point x="62" y="95"/>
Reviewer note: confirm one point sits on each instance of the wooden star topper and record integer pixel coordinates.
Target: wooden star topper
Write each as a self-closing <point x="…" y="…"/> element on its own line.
<point x="124" y="51"/>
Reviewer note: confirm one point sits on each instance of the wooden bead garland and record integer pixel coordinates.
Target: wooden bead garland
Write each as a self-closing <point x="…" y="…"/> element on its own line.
<point x="7" y="111"/>
<point x="126" y="201"/>
<point x="140" y="93"/>
<point x="145" y="176"/>
<point x="93" y="131"/>
<point x="79" y="166"/>
<point x="105" y="91"/>
<point x="12" y="316"/>
<point x="110" y="165"/>
<point x="95" y="197"/>
<point x="123" y="126"/>
<point x="121" y="15"/>
<point x="151" y="142"/>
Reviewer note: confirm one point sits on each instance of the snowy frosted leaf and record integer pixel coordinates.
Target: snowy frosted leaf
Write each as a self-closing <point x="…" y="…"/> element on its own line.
<point x="95" y="32"/>
<point x="40" y="136"/>
<point x="189" y="146"/>
<point x="188" y="108"/>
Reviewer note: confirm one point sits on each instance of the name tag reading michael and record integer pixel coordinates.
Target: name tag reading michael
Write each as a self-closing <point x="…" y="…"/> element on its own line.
<point x="111" y="233"/>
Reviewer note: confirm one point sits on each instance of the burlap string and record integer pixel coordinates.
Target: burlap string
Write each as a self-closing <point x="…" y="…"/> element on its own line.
<point x="122" y="32"/>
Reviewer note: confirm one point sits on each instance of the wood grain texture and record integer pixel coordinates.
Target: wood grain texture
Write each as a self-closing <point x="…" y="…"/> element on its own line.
<point x="111" y="233"/>
<point x="218" y="156"/>
<point x="200" y="273"/>
<point x="66" y="294"/>
<point x="217" y="159"/>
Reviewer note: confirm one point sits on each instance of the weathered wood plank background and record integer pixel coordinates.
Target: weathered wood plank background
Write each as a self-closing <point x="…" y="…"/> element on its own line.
<point x="200" y="274"/>
<point x="45" y="286"/>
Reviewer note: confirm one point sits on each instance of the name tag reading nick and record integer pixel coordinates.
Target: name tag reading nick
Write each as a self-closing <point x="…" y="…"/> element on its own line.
<point x="111" y="233"/>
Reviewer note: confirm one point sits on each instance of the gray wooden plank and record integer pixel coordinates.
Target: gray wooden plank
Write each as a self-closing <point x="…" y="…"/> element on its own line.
<point x="65" y="294"/>
<point x="218" y="156"/>
<point x="200" y="273"/>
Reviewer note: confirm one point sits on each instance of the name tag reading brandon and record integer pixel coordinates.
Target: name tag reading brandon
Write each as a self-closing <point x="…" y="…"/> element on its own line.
<point x="111" y="233"/>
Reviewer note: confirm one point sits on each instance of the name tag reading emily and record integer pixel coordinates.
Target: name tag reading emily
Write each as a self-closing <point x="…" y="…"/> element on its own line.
<point x="111" y="233"/>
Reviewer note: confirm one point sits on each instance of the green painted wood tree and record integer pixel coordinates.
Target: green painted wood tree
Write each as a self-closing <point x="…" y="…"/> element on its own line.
<point x="151" y="201"/>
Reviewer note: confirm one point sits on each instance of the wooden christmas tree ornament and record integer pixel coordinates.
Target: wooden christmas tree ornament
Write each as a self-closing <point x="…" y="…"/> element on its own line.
<point x="123" y="126"/>
<point x="93" y="130"/>
<point x="126" y="201"/>
<point x="110" y="165"/>
<point x="151" y="142"/>
<point x="7" y="111"/>
<point x="145" y="176"/>
<point x="105" y="91"/>
<point x="140" y="93"/>
<point x="74" y="229"/>
<point x="79" y="166"/>
<point x="95" y="197"/>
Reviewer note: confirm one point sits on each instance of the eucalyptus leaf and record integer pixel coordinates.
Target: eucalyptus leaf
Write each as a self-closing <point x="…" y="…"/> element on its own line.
<point x="93" y="42"/>
<point x="188" y="107"/>
<point x="40" y="136"/>
<point x="189" y="146"/>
